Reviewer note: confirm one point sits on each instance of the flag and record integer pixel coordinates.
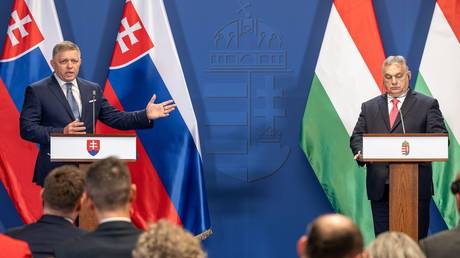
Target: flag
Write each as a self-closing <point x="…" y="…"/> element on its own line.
<point x="33" y="30"/>
<point x="438" y="77"/>
<point x="347" y="73"/>
<point x="168" y="171"/>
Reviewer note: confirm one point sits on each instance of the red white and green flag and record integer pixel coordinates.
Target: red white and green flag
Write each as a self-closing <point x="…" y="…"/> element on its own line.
<point x="347" y="73"/>
<point x="438" y="77"/>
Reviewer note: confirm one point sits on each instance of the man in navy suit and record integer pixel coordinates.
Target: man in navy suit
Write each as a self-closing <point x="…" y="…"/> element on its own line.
<point x="110" y="193"/>
<point x="382" y="114"/>
<point x="62" y="199"/>
<point x="62" y="103"/>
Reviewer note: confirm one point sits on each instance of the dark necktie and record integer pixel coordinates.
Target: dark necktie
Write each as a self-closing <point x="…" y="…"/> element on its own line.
<point x="72" y="101"/>
<point x="394" y="112"/>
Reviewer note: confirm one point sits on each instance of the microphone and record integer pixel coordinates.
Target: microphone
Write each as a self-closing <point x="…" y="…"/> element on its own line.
<point x="93" y="101"/>
<point x="402" y="120"/>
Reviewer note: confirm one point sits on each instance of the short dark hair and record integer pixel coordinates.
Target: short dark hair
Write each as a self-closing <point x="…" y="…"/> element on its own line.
<point x="63" y="188"/>
<point x="326" y="241"/>
<point x="108" y="184"/>
<point x="65" y="46"/>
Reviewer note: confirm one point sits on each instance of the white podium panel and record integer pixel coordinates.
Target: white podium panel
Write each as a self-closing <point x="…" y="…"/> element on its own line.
<point x="405" y="147"/>
<point x="84" y="148"/>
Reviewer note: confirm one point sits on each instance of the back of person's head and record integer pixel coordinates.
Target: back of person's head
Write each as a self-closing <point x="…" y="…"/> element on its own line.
<point x="331" y="236"/>
<point x="108" y="184"/>
<point x="394" y="245"/>
<point x="165" y="240"/>
<point x="63" y="189"/>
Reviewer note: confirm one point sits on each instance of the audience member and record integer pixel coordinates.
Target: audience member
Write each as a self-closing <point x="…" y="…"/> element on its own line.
<point x="394" y="245"/>
<point x="13" y="248"/>
<point x="445" y="243"/>
<point x="62" y="198"/>
<point x="110" y="193"/>
<point x="166" y="240"/>
<point x="331" y="236"/>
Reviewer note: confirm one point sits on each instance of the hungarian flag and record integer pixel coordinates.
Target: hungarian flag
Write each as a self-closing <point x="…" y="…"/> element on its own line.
<point x="168" y="172"/>
<point x="438" y="77"/>
<point x="33" y="30"/>
<point x="347" y="73"/>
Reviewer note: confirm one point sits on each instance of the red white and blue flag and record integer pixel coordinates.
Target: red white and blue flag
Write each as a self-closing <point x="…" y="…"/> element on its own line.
<point x="168" y="172"/>
<point x="33" y="30"/>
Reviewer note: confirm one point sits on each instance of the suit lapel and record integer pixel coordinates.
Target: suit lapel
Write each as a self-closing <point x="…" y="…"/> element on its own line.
<point x="85" y="96"/>
<point x="383" y="110"/>
<point x="57" y="91"/>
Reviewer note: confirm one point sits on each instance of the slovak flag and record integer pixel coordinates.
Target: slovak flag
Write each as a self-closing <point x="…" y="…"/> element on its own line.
<point x="33" y="30"/>
<point x="168" y="172"/>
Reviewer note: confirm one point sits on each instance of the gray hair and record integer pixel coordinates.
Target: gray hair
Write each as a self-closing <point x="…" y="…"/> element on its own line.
<point x="64" y="46"/>
<point x="395" y="60"/>
<point x="394" y="245"/>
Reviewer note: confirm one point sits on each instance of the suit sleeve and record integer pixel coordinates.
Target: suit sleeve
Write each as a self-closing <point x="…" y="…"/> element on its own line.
<point x="435" y="121"/>
<point x="30" y="120"/>
<point x="120" y="120"/>
<point x="356" y="139"/>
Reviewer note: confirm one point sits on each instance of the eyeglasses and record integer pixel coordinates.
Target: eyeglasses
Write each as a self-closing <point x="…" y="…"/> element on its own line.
<point x="398" y="77"/>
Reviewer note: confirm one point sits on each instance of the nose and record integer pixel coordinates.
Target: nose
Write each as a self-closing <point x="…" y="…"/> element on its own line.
<point x="393" y="80"/>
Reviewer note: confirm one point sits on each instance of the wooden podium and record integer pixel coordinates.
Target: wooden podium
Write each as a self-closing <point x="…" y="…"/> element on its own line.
<point x="403" y="152"/>
<point x="87" y="148"/>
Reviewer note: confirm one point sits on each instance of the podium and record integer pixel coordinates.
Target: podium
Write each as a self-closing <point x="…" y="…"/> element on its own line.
<point x="87" y="148"/>
<point x="403" y="152"/>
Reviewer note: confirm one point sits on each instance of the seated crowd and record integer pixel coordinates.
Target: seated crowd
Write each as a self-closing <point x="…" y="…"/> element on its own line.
<point x="336" y="236"/>
<point x="108" y="191"/>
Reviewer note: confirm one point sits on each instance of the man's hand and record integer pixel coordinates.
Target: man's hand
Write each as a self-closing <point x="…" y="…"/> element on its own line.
<point x="76" y="127"/>
<point x="358" y="156"/>
<point x="159" y="110"/>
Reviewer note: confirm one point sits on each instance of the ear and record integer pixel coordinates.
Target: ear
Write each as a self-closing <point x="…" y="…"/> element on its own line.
<point x="301" y="245"/>
<point x="53" y="64"/>
<point x="80" y="203"/>
<point x="86" y="201"/>
<point x="409" y="75"/>
<point x="133" y="193"/>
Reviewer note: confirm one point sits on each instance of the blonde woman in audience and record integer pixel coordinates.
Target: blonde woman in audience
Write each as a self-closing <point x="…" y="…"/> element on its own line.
<point x="394" y="245"/>
<point x="165" y="240"/>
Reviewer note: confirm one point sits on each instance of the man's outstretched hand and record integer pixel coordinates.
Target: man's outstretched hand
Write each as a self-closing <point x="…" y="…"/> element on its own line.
<point x="159" y="110"/>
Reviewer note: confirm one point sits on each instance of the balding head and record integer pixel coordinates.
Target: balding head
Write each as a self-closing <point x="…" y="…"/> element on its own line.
<point x="333" y="235"/>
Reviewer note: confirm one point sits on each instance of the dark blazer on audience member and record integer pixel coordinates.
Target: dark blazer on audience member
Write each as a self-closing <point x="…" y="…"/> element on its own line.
<point x="46" y="110"/>
<point x="43" y="235"/>
<point x="114" y="239"/>
<point x="444" y="244"/>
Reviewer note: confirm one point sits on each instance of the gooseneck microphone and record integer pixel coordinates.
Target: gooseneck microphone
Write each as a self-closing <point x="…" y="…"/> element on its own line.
<point x="94" y="111"/>
<point x="402" y="120"/>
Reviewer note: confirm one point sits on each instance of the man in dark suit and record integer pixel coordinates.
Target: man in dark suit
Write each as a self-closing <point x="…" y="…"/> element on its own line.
<point x="445" y="243"/>
<point x="62" y="197"/>
<point x="382" y="114"/>
<point x="110" y="193"/>
<point x="62" y="103"/>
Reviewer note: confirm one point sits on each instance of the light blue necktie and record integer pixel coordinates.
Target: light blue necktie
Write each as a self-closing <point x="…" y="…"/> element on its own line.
<point x="72" y="101"/>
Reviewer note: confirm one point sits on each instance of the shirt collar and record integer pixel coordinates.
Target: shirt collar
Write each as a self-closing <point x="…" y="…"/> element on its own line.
<point x="400" y="97"/>
<point x="125" y="219"/>
<point x="61" y="82"/>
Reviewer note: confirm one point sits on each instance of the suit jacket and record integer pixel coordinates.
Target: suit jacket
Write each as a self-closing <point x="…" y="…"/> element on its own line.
<point x="421" y="114"/>
<point x="43" y="235"/>
<point x="13" y="248"/>
<point x="111" y="239"/>
<point x="444" y="244"/>
<point x="46" y="110"/>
